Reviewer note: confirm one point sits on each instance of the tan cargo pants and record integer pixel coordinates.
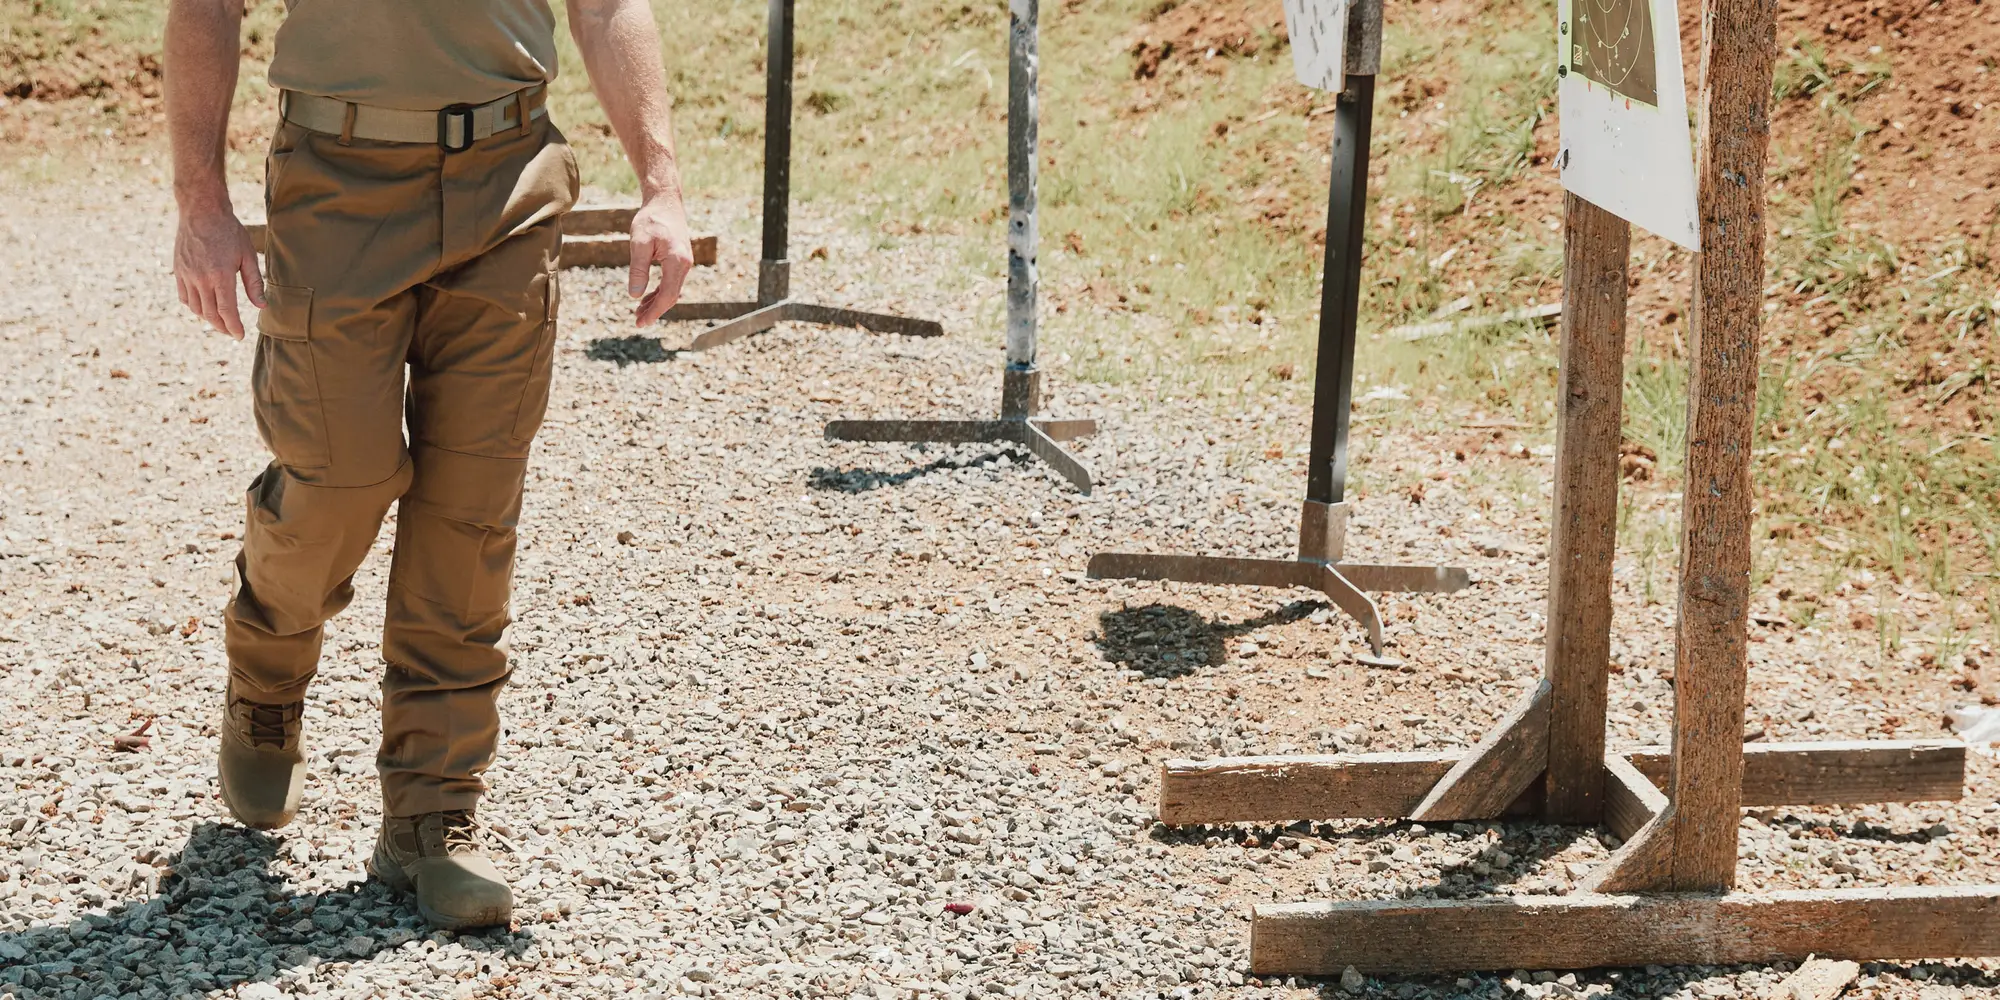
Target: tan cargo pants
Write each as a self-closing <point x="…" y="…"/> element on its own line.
<point x="383" y="257"/>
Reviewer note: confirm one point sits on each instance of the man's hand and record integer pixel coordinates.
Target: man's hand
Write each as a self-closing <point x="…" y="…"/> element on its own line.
<point x="210" y="247"/>
<point x="620" y="44"/>
<point x="659" y="234"/>
<point x="211" y="252"/>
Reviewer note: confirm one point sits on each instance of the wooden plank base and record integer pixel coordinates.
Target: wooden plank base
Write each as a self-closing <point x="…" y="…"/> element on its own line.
<point x="616" y="250"/>
<point x="1590" y="931"/>
<point x="1837" y="772"/>
<point x="1282" y="789"/>
<point x="593" y="248"/>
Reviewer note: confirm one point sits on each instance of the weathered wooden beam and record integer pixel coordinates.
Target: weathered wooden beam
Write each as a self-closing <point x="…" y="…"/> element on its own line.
<point x="1630" y="799"/>
<point x="1584" y="539"/>
<point x="594" y="245"/>
<point x="1285" y="788"/>
<point x="1502" y="766"/>
<point x="1835" y="772"/>
<point x="599" y="220"/>
<point x="1587" y="931"/>
<point x="616" y="251"/>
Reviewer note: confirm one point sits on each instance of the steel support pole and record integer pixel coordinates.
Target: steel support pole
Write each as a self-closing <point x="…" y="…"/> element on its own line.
<point x="774" y="267"/>
<point x="1323" y="516"/>
<point x="1023" y="134"/>
<point x="1020" y="420"/>
<point x="774" y="303"/>
<point x="1340" y="292"/>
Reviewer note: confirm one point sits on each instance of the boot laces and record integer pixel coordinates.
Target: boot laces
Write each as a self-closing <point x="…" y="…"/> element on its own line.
<point x="271" y="724"/>
<point x="461" y="831"/>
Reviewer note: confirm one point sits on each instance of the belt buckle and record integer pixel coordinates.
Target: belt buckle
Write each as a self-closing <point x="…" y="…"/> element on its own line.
<point x="461" y="116"/>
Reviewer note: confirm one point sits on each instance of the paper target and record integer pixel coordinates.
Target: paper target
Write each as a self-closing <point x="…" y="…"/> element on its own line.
<point x="1625" y="142"/>
<point x="1318" y="31"/>
<point x="1614" y="46"/>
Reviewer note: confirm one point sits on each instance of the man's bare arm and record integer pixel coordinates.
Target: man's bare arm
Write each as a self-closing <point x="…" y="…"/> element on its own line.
<point x="621" y="51"/>
<point x="211" y="249"/>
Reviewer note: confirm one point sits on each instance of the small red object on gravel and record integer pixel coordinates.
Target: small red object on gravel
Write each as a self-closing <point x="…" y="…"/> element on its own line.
<point x="959" y="908"/>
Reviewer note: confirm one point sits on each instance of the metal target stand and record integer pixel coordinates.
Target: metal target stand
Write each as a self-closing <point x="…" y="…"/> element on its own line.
<point x="1323" y="517"/>
<point x="1020" y="420"/>
<point x="774" y="303"/>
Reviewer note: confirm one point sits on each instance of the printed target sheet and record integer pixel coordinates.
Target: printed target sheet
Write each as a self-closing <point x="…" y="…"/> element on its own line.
<point x="1625" y="144"/>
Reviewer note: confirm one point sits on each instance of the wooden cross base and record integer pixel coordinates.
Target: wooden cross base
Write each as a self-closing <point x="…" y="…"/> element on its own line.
<point x="1592" y="928"/>
<point x="1412" y="936"/>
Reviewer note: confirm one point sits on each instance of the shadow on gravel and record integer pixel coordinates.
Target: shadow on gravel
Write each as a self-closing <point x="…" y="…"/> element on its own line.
<point x="1651" y="983"/>
<point x="1526" y="846"/>
<point x="863" y="480"/>
<point x="629" y="350"/>
<point x="221" y="918"/>
<point x="1161" y="640"/>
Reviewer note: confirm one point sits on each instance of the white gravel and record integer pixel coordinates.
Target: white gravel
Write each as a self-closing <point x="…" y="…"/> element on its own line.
<point x="794" y="718"/>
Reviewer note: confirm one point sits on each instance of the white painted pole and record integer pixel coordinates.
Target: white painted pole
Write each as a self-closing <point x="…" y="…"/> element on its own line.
<point x="1021" y="169"/>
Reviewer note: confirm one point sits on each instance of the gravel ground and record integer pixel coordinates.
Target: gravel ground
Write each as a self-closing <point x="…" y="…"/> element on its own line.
<point x="794" y="718"/>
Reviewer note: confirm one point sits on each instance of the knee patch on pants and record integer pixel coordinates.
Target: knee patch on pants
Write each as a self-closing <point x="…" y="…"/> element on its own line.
<point x="302" y="542"/>
<point x="455" y="530"/>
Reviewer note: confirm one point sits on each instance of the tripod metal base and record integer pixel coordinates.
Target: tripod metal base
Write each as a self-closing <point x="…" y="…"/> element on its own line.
<point x="775" y="305"/>
<point x="1019" y="400"/>
<point x="1322" y="536"/>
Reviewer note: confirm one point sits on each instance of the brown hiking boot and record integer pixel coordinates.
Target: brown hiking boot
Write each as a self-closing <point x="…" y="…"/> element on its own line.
<point x="440" y="857"/>
<point x="261" y="766"/>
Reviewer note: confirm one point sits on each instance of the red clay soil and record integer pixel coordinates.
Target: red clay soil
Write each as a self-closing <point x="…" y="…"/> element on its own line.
<point x="1198" y="31"/>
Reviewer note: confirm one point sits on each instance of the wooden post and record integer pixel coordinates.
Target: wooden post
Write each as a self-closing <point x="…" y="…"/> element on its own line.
<point x="1583" y="931"/>
<point x="1584" y="539"/>
<point x="1692" y="846"/>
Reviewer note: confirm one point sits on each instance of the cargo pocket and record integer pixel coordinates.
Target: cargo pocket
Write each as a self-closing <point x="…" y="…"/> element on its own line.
<point x="285" y="383"/>
<point x="535" y="394"/>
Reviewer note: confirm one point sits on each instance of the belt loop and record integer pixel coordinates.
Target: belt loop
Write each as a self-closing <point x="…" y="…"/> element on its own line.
<point x="521" y="108"/>
<point x="347" y="124"/>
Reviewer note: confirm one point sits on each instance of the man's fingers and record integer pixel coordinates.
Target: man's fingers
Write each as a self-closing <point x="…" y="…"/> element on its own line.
<point x="227" y="308"/>
<point x="253" y="279"/>
<point x="656" y="305"/>
<point x="642" y="266"/>
<point x="204" y="303"/>
<point x="674" y="270"/>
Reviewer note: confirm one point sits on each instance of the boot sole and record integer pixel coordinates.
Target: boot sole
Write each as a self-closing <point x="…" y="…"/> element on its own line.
<point x="395" y="878"/>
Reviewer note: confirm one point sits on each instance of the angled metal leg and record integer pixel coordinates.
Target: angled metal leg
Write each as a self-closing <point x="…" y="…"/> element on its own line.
<point x="1360" y="607"/>
<point x="1045" y="448"/>
<point x="919" y="431"/>
<point x="807" y="312"/>
<point x="1204" y="569"/>
<point x="742" y="326"/>
<point x="1401" y="579"/>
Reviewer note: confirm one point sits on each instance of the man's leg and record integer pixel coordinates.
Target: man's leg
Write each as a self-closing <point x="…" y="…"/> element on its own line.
<point x="479" y="381"/>
<point x="351" y="230"/>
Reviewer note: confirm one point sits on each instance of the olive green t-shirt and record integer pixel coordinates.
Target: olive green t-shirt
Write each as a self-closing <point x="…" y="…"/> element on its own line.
<point x="418" y="55"/>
